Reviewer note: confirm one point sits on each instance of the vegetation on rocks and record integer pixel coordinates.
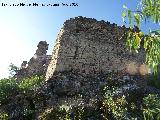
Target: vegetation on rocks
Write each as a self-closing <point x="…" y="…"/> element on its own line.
<point x="12" y="93"/>
<point x="110" y="99"/>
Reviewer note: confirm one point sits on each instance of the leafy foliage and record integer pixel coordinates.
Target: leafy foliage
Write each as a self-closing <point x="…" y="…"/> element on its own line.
<point x="61" y="113"/>
<point x="13" y="69"/>
<point x="3" y="116"/>
<point x="8" y="87"/>
<point x="152" y="48"/>
<point x="133" y="40"/>
<point x="151" y="107"/>
<point x="115" y="106"/>
<point x="154" y="80"/>
<point x="122" y="108"/>
<point x="151" y="9"/>
<point x="146" y="10"/>
<point x="65" y="112"/>
<point x="31" y="82"/>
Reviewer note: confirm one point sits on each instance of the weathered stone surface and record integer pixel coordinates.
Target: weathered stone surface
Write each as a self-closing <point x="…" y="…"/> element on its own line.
<point x="90" y="47"/>
<point x="38" y="63"/>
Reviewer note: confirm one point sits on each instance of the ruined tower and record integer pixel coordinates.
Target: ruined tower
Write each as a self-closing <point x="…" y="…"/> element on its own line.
<point x="37" y="64"/>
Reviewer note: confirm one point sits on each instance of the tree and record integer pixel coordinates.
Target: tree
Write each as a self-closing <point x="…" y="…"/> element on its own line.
<point x="147" y="10"/>
<point x="13" y="69"/>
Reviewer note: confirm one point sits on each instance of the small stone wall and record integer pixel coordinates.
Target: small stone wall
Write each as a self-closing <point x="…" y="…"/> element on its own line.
<point x="87" y="46"/>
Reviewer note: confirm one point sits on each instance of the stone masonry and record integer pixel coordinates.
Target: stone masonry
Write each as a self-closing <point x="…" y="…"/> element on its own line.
<point x="90" y="47"/>
<point x="38" y="63"/>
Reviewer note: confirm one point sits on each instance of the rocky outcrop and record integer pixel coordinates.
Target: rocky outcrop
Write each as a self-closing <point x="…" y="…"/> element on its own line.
<point x="77" y="92"/>
<point x="91" y="47"/>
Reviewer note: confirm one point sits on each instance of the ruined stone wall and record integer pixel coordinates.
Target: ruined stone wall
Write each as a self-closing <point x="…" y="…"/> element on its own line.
<point x="90" y="47"/>
<point x="37" y="64"/>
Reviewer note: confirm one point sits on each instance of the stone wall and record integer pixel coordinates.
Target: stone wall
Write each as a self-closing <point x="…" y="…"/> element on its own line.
<point x="90" y="47"/>
<point x="37" y="64"/>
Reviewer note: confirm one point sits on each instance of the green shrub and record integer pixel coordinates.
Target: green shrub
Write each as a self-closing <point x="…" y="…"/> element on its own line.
<point x="31" y="82"/>
<point x="154" y="80"/>
<point x="115" y="107"/>
<point x="3" y="116"/>
<point x="8" y="87"/>
<point x="12" y="69"/>
<point x="151" y="107"/>
<point x="29" y="114"/>
<point x="61" y="113"/>
<point x="65" y="112"/>
<point x="155" y="83"/>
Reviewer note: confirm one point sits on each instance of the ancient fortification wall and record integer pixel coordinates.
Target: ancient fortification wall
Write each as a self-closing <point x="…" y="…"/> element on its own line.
<point x="90" y="47"/>
<point x="37" y="64"/>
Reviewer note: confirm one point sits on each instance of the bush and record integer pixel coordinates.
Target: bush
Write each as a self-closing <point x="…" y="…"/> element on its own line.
<point x="65" y="112"/>
<point x="154" y="81"/>
<point x="13" y="69"/>
<point x="8" y="87"/>
<point x="3" y="116"/>
<point x="61" y="113"/>
<point x="31" y="83"/>
<point x="119" y="108"/>
<point x="151" y="107"/>
<point x="115" y="107"/>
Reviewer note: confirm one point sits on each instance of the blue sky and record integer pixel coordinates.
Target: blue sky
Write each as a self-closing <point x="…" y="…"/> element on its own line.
<point x="21" y="28"/>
